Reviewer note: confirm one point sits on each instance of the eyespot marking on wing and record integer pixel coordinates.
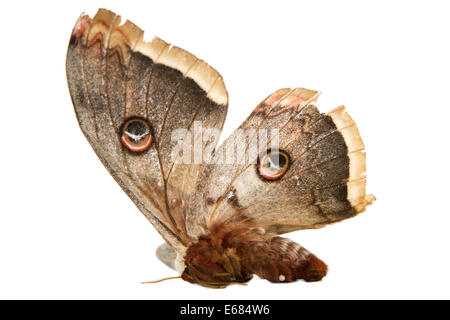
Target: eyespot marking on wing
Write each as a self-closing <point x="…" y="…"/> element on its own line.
<point x="136" y="135"/>
<point x="273" y="165"/>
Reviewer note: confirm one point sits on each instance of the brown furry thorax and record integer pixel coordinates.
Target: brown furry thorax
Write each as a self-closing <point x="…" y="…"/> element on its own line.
<point x="215" y="260"/>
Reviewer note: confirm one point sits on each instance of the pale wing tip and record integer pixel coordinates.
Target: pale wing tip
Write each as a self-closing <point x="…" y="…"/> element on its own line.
<point x="288" y="98"/>
<point x="345" y="124"/>
<point x="189" y="65"/>
<point x="128" y="35"/>
<point x="356" y="185"/>
<point x="362" y="203"/>
<point x="371" y="198"/>
<point x="299" y="96"/>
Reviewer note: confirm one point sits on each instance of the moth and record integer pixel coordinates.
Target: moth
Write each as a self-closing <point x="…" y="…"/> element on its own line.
<point x="221" y="220"/>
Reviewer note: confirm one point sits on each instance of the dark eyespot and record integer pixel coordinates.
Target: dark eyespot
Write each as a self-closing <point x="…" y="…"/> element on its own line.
<point x="273" y="165"/>
<point x="136" y="135"/>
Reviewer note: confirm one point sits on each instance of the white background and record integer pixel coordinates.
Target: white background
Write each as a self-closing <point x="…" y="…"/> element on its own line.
<point x="67" y="230"/>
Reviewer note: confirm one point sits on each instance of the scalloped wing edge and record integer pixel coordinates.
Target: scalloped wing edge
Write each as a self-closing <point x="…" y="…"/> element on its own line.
<point x="356" y="184"/>
<point x="129" y="36"/>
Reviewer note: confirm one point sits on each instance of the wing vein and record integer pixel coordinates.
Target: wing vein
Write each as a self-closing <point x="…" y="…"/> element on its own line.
<point x="248" y="143"/>
<point x="83" y="70"/>
<point x="303" y="153"/>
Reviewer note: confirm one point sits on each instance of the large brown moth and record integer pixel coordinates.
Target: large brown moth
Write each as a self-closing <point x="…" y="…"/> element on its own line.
<point x="221" y="220"/>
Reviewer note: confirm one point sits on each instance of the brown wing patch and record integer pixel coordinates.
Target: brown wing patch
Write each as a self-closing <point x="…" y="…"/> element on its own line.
<point x="99" y="87"/>
<point x="322" y="184"/>
<point x="190" y="66"/>
<point x="114" y="77"/>
<point x="216" y="180"/>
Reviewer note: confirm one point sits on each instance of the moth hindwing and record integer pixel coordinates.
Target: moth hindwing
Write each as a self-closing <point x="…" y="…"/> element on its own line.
<point x="221" y="211"/>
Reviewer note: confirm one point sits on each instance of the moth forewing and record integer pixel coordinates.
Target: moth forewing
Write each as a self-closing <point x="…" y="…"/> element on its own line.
<point x="219" y="210"/>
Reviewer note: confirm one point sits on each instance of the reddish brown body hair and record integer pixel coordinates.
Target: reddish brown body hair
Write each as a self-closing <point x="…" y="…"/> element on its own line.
<point x="229" y="255"/>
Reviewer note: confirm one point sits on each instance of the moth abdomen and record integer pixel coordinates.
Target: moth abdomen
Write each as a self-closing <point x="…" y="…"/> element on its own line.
<point x="229" y="256"/>
<point x="283" y="260"/>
